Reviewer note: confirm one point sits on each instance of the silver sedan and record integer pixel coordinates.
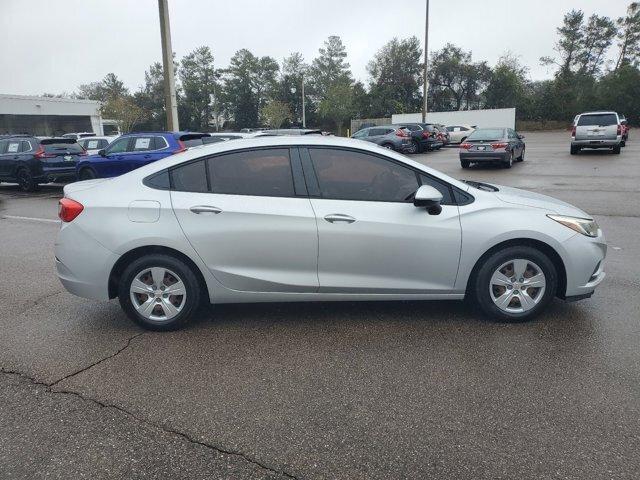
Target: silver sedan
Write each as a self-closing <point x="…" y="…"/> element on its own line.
<point x="280" y="219"/>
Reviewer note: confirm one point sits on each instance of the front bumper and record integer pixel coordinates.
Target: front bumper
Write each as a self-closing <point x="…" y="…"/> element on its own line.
<point x="584" y="262"/>
<point x="477" y="156"/>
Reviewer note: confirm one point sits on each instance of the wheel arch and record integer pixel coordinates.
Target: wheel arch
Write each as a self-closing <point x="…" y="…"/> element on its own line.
<point x="131" y="255"/>
<point x="545" y="248"/>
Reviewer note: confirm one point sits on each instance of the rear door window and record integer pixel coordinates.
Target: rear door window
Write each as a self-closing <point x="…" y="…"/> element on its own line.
<point x="142" y="144"/>
<point x="13" y="146"/>
<point x="259" y="172"/>
<point x="597" y="120"/>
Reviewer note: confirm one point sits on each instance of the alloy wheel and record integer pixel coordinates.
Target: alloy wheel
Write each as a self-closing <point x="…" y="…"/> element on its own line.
<point x="517" y="286"/>
<point x="157" y="294"/>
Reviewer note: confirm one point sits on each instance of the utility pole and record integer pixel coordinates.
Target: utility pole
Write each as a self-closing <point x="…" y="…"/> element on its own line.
<point x="426" y="58"/>
<point x="170" y="103"/>
<point x="304" y="118"/>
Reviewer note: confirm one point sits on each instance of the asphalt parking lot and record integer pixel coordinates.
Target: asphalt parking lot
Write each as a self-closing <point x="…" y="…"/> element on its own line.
<point x="344" y="390"/>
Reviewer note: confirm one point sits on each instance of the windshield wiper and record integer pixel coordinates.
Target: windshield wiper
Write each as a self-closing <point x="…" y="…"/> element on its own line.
<point x="482" y="186"/>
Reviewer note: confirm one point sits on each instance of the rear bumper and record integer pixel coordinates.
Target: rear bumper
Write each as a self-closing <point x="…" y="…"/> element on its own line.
<point x="83" y="265"/>
<point x="597" y="143"/>
<point x="476" y="156"/>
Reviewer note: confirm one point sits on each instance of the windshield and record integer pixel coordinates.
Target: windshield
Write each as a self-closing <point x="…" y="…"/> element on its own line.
<point x="486" y="135"/>
<point x="601" y="119"/>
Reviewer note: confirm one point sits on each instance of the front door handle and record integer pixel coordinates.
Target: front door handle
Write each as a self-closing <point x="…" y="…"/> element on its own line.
<point x="205" y="209"/>
<point x="339" y="217"/>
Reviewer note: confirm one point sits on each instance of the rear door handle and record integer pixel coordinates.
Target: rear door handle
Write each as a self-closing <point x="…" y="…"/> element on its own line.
<point x="339" y="217"/>
<point x="205" y="209"/>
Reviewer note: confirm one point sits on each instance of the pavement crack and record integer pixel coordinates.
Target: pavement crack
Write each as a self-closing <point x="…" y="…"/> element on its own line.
<point x="158" y="426"/>
<point x="37" y="302"/>
<point x="104" y="359"/>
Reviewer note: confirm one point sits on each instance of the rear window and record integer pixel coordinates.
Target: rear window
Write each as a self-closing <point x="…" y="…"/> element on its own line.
<point x="62" y="147"/>
<point x="486" y="134"/>
<point x="601" y="119"/>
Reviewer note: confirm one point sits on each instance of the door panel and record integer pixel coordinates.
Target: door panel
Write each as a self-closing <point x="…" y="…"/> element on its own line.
<point x="389" y="247"/>
<point x="254" y="243"/>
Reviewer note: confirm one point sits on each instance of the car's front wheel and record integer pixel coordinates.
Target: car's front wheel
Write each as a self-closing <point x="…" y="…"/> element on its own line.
<point x="159" y="292"/>
<point x="87" y="173"/>
<point x="514" y="284"/>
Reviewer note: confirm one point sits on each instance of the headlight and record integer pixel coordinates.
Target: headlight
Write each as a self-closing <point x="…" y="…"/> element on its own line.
<point x="585" y="226"/>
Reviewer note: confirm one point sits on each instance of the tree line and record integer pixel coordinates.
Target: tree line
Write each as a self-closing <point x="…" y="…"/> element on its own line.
<point x="257" y="91"/>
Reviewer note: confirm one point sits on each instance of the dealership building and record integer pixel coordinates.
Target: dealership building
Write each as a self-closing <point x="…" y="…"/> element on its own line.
<point x="49" y="116"/>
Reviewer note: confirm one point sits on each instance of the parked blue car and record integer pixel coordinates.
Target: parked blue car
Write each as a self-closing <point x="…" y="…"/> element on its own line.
<point x="134" y="150"/>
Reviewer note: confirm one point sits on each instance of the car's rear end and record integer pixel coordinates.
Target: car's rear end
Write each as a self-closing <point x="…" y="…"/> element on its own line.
<point x="56" y="159"/>
<point x="430" y="140"/>
<point x="486" y="145"/>
<point x="400" y="137"/>
<point x="596" y="130"/>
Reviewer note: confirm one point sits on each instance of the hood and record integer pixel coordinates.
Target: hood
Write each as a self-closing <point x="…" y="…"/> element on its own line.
<point x="83" y="185"/>
<point x="537" y="200"/>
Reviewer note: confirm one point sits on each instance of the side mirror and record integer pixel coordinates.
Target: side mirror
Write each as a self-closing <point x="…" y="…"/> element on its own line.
<point x="102" y="153"/>
<point x="428" y="197"/>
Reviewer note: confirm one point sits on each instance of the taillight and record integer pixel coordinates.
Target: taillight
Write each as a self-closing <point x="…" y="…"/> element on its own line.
<point x="181" y="147"/>
<point x="401" y="133"/>
<point x="465" y="146"/>
<point x="619" y="132"/>
<point x="40" y="153"/>
<point x="69" y="209"/>
<point x="573" y="131"/>
<point x="425" y="134"/>
<point x="497" y="146"/>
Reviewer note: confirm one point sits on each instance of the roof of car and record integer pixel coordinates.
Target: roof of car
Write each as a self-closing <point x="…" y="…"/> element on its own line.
<point x="600" y="112"/>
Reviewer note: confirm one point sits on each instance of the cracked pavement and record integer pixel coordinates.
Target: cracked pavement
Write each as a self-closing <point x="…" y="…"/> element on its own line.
<point x="352" y="390"/>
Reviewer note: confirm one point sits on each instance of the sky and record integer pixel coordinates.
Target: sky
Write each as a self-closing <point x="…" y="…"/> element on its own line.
<point x="55" y="46"/>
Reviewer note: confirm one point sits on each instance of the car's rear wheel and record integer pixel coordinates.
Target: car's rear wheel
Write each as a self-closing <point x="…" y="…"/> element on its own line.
<point x="414" y="148"/>
<point x="509" y="162"/>
<point x="514" y="284"/>
<point x="159" y="292"/>
<point x="87" y="173"/>
<point x="465" y="163"/>
<point x="26" y="181"/>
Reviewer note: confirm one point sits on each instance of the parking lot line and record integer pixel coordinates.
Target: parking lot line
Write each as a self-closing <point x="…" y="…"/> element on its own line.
<point x="33" y="219"/>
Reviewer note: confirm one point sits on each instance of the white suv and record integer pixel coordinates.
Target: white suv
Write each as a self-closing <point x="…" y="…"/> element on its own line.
<point x="596" y="130"/>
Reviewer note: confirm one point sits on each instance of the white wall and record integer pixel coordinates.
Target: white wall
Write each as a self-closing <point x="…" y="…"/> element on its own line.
<point x="499" y="117"/>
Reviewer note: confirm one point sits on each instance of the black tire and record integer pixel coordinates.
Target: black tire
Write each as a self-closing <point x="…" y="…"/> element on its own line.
<point x="509" y="162"/>
<point x="465" y="163"/>
<point x="416" y="147"/>
<point x="480" y="283"/>
<point x="616" y="150"/>
<point x="26" y="181"/>
<point x="87" y="173"/>
<point x="574" y="150"/>
<point x="623" y="143"/>
<point x="521" y="157"/>
<point x="193" y="291"/>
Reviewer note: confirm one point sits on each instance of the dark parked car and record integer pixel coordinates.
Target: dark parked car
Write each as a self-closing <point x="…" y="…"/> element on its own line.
<point x="30" y="161"/>
<point x="393" y="137"/>
<point x="502" y="145"/>
<point x="134" y="150"/>
<point x="424" y="136"/>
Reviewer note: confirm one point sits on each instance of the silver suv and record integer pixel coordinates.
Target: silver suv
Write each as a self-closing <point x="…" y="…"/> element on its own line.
<point x="596" y="130"/>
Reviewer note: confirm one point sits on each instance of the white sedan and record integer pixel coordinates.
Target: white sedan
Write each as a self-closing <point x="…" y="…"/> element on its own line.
<point x="459" y="133"/>
<point x="308" y="218"/>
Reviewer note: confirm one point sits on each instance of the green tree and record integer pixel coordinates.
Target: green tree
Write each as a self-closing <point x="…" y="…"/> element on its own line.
<point x="396" y="77"/>
<point x="275" y="113"/>
<point x="150" y="98"/>
<point x="329" y="68"/>
<point x="597" y="36"/>
<point x="110" y="87"/>
<point x="455" y="81"/>
<point x="198" y="78"/>
<point x="338" y="105"/>
<point x="289" y="86"/>
<point x="619" y="90"/>
<point x="629" y="36"/>
<point x="570" y="43"/>
<point x="249" y="82"/>
<point x="507" y="85"/>
<point x="123" y="110"/>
